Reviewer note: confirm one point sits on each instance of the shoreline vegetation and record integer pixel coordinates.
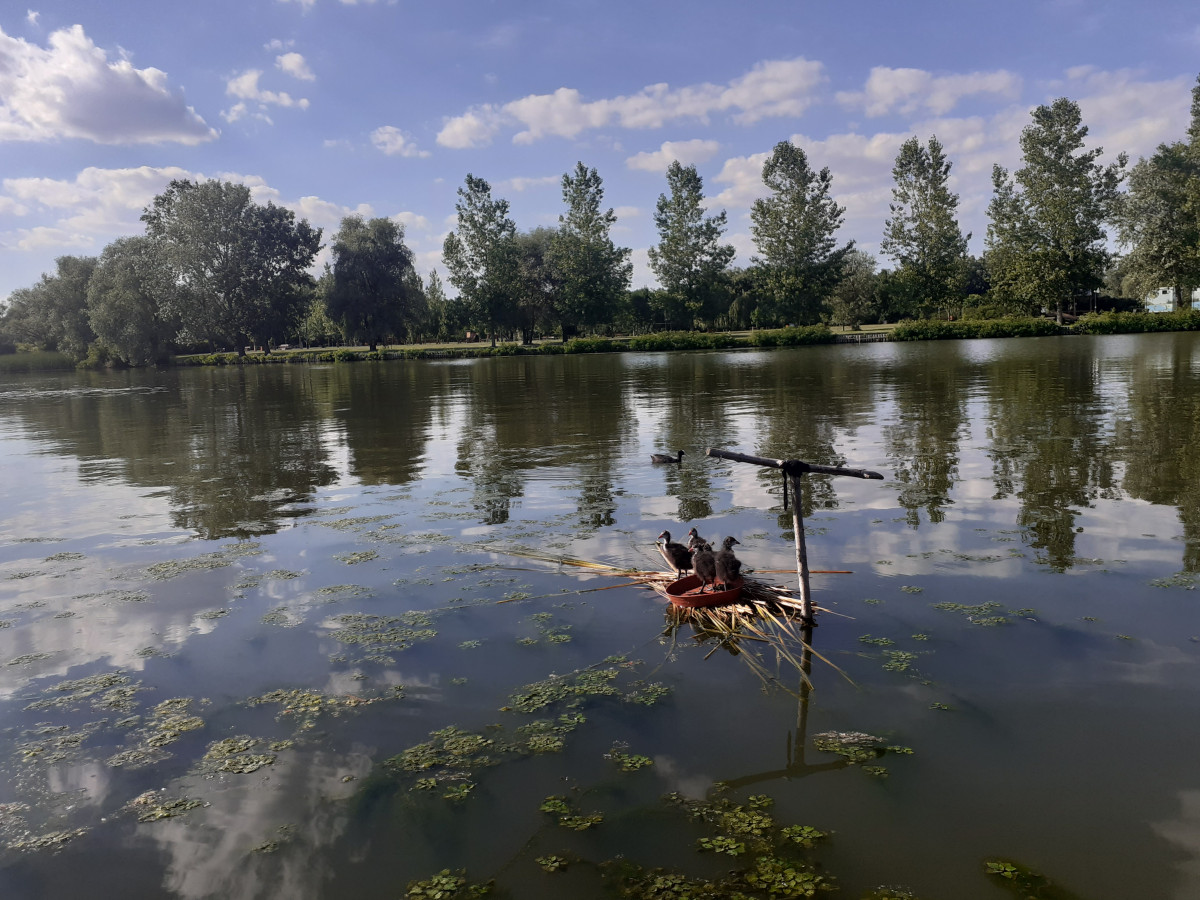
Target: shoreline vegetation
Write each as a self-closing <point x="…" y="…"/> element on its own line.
<point x="808" y="335"/>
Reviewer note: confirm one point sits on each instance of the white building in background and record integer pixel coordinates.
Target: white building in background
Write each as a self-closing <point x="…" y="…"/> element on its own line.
<point x="1163" y="300"/>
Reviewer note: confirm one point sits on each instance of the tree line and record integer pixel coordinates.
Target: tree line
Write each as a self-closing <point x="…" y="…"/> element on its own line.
<point x="217" y="271"/>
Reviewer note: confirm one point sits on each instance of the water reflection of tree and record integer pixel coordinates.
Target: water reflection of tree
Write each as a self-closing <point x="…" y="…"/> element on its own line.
<point x="1046" y="423"/>
<point x="526" y="413"/>
<point x="813" y="397"/>
<point x="931" y="386"/>
<point x="1159" y="438"/>
<point x="233" y="448"/>
<point x="385" y="411"/>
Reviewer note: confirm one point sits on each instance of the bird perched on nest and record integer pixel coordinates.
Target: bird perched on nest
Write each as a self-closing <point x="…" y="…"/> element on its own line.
<point x="728" y="566"/>
<point x="666" y="458"/>
<point x="678" y="557"/>
<point x="704" y="562"/>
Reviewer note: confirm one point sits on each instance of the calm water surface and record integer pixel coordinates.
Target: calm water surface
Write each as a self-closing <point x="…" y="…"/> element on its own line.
<point x="231" y="600"/>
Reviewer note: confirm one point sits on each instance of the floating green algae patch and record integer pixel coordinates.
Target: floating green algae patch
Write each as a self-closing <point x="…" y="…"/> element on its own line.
<point x="988" y="614"/>
<point x="305" y="706"/>
<point x="383" y="632"/>
<point x="168" y="722"/>
<point x="105" y="690"/>
<point x="446" y="885"/>
<point x="218" y="559"/>
<point x="856" y="747"/>
<point x="359" y="556"/>
<point x="1024" y="882"/>
<point x="153" y="807"/>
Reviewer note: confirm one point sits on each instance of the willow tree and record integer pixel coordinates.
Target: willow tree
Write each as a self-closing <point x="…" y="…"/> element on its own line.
<point x="795" y="231"/>
<point x="1046" y="235"/>
<point x="375" y="292"/>
<point x="922" y="235"/>
<point x="690" y="261"/>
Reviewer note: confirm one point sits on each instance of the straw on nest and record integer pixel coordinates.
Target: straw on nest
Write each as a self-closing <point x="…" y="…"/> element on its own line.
<point x="768" y="616"/>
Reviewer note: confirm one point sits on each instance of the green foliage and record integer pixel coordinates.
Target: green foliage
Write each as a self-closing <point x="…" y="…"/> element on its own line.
<point x="1137" y="322"/>
<point x="795" y="231"/>
<point x="53" y="315"/>
<point x="240" y="270"/>
<point x="129" y="303"/>
<point x="682" y="340"/>
<point x="690" y="260"/>
<point x="37" y="361"/>
<point x="934" y="330"/>
<point x="792" y="337"/>
<point x="593" y="273"/>
<point x="1046" y="238"/>
<point x="586" y="345"/>
<point x="374" y="292"/>
<point x="922" y="235"/>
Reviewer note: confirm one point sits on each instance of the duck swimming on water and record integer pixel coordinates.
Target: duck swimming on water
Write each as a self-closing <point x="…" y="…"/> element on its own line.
<point x="667" y="458"/>
<point x="678" y="557"/>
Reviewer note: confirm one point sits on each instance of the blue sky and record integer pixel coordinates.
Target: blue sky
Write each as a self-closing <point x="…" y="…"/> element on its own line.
<point x="333" y="107"/>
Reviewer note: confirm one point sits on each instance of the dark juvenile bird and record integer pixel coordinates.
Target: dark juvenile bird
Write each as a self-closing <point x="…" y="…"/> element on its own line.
<point x="729" y="567"/>
<point x="678" y="557"/>
<point x="666" y="458"/>
<point x="704" y="562"/>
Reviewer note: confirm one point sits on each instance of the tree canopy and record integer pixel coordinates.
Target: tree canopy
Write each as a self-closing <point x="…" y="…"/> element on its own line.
<point x="690" y="261"/>
<point x="593" y="273"/>
<point x="241" y="268"/>
<point x="922" y="234"/>
<point x="1046" y="237"/>
<point x="795" y="231"/>
<point x="481" y="254"/>
<point x="375" y="292"/>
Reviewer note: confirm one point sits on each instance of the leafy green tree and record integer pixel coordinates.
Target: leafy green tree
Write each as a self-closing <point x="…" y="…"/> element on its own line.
<point x="1158" y="218"/>
<point x="481" y="255"/>
<point x="922" y="234"/>
<point x="373" y="294"/>
<point x="540" y="283"/>
<point x="854" y="299"/>
<point x="241" y="268"/>
<point x="129" y="303"/>
<point x="52" y="314"/>
<point x="1046" y="237"/>
<point x="593" y="272"/>
<point x="690" y="260"/>
<point x="795" y="231"/>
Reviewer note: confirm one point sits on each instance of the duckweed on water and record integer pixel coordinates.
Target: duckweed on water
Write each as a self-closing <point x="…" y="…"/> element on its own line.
<point x="151" y="807"/>
<point x="115" y="691"/>
<point x="626" y="761"/>
<point x="359" y="556"/>
<point x="384" y="632"/>
<point x="446" y="885"/>
<point x="552" y="863"/>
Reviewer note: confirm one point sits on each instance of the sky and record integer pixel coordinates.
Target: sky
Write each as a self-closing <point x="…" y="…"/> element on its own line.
<point x="382" y="107"/>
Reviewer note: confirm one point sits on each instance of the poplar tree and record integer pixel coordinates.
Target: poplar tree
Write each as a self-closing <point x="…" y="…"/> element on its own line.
<point x="593" y="273"/>
<point x="1159" y="218"/>
<point x="922" y="236"/>
<point x="481" y="255"/>
<point x="690" y="261"/>
<point x="795" y="231"/>
<point x="1046" y="237"/>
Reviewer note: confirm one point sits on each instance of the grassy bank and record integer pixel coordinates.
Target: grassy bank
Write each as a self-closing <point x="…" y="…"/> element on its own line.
<point x="38" y="361"/>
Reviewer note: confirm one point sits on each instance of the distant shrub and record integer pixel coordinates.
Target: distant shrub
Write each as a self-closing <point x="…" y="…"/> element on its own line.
<point x="345" y="356"/>
<point x="1012" y="326"/>
<point x="35" y="361"/>
<point x="551" y="349"/>
<point x="682" y="340"/>
<point x="1138" y="322"/>
<point x="793" y="336"/>
<point x="589" y="345"/>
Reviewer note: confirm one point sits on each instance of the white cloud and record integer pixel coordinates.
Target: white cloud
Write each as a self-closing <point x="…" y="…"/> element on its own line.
<point x="245" y="88"/>
<point x="1124" y="112"/>
<point x="912" y="90"/>
<point x="411" y="220"/>
<point x="31" y="16"/>
<point x="686" y="152"/>
<point x="391" y="141"/>
<point x="520" y="184"/>
<point x="295" y="65"/>
<point x="71" y="90"/>
<point x="627" y="212"/>
<point x="771" y="88"/>
<point x="474" y="128"/>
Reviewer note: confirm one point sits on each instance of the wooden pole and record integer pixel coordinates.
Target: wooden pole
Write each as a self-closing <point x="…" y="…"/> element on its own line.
<point x="806" y="607"/>
<point x="792" y="470"/>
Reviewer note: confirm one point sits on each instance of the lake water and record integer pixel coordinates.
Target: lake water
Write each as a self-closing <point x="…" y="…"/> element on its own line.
<point x="253" y="643"/>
